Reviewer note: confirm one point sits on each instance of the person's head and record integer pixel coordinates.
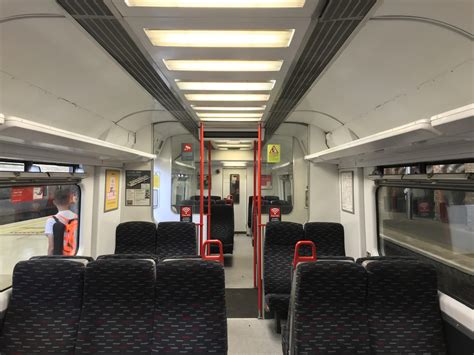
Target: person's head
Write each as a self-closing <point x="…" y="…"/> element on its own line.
<point x="61" y="199"/>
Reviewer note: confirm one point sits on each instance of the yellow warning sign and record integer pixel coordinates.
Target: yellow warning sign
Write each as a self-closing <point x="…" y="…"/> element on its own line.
<point x="273" y="153"/>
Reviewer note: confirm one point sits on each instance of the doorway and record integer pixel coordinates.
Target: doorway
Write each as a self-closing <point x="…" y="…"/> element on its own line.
<point x="234" y="182"/>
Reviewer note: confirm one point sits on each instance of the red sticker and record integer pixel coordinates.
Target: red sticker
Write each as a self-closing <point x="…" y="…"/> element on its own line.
<point x="186" y="211"/>
<point x="187" y="147"/>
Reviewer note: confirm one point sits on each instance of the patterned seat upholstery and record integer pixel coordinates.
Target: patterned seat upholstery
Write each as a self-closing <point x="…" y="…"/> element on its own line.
<point x="117" y="314"/>
<point x="222" y="227"/>
<point x="176" y="239"/>
<point x="190" y="313"/>
<point x="129" y="256"/>
<point x="328" y="312"/>
<point x="45" y="307"/>
<point x="135" y="238"/>
<point x="279" y="249"/>
<point x="63" y="257"/>
<point x="328" y="238"/>
<point x="403" y="308"/>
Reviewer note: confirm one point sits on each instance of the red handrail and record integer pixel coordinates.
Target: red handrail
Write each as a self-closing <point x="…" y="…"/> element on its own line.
<point x="253" y="223"/>
<point x="259" y="221"/>
<point x="219" y="257"/>
<point x="298" y="258"/>
<point x="209" y="182"/>
<point x="201" y="189"/>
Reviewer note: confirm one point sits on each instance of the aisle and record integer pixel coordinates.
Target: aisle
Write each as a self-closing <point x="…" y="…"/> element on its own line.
<point x="238" y="266"/>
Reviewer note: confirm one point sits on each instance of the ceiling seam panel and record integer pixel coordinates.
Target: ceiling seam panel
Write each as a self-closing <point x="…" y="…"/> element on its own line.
<point x="99" y="22"/>
<point x="336" y="24"/>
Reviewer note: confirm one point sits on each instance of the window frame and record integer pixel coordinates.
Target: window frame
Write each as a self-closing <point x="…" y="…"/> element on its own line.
<point x="445" y="185"/>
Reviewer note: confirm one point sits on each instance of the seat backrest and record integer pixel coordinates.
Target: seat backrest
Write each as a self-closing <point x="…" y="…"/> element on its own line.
<point x="129" y="256"/>
<point x="190" y="313"/>
<point x="135" y="238"/>
<point x="403" y="300"/>
<point x="328" y="312"/>
<point x="222" y="223"/>
<point x="117" y="314"/>
<point x="63" y="257"/>
<point x="45" y="306"/>
<point x="176" y="239"/>
<point x="215" y="198"/>
<point x="328" y="238"/>
<point x="279" y="249"/>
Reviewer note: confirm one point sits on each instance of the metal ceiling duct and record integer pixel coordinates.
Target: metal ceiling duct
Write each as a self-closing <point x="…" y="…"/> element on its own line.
<point x="337" y="22"/>
<point x="96" y="18"/>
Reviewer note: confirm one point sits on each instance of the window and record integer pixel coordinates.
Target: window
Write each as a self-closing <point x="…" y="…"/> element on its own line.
<point x="435" y="224"/>
<point x="24" y="211"/>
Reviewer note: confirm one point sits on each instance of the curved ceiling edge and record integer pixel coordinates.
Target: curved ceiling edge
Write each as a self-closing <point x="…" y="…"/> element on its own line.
<point x="29" y="16"/>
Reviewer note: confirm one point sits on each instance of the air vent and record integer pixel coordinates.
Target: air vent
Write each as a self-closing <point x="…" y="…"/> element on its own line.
<point x="96" y="18"/>
<point x="337" y="22"/>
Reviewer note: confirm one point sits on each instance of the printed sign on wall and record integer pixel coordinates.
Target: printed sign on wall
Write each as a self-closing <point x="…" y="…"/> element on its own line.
<point x="273" y="153"/>
<point x="266" y="182"/>
<point x="185" y="213"/>
<point x="112" y="180"/>
<point x="274" y="214"/>
<point x="187" y="152"/>
<point x="138" y="188"/>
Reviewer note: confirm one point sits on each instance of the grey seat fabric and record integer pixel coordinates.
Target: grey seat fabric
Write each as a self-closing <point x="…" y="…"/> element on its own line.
<point x="117" y="314"/>
<point x="403" y="307"/>
<point x="222" y="227"/>
<point x="328" y="238"/>
<point x="45" y="306"/>
<point x="63" y="257"/>
<point x="328" y="311"/>
<point x="176" y="239"/>
<point x="190" y="311"/>
<point x="129" y="256"/>
<point x="135" y="238"/>
<point x="279" y="249"/>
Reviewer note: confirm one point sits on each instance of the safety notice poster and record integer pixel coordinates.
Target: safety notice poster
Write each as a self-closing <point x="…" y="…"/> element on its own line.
<point x="138" y="188"/>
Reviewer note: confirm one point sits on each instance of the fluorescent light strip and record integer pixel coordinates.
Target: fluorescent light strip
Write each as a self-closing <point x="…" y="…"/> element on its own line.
<point x="234" y="163"/>
<point x="223" y="86"/>
<point x="228" y="108"/>
<point x="227" y="97"/>
<point x="230" y="115"/>
<point x="223" y="119"/>
<point x="218" y="3"/>
<point x="223" y="65"/>
<point x="220" y="38"/>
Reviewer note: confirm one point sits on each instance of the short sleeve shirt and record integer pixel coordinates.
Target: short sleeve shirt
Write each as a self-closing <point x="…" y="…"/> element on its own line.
<point x="67" y="214"/>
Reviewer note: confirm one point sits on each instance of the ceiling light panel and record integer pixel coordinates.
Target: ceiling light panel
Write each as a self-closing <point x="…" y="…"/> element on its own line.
<point x="226" y="86"/>
<point x="223" y="65"/>
<point x="231" y="115"/>
<point x="220" y="38"/>
<point x="218" y="3"/>
<point x="228" y="108"/>
<point x="223" y="119"/>
<point x="227" y="97"/>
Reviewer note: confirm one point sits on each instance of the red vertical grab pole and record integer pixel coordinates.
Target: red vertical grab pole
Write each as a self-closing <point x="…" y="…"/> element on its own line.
<point x="259" y="225"/>
<point x="253" y="224"/>
<point x="201" y="192"/>
<point x="209" y="182"/>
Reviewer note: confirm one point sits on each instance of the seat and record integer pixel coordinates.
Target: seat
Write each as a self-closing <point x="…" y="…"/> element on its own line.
<point x="45" y="306"/>
<point x="129" y="256"/>
<point x="285" y="206"/>
<point x="328" y="313"/>
<point x="328" y="238"/>
<point x="135" y="238"/>
<point x="63" y="257"/>
<point x="403" y="307"/>
<point x="176" y="239"/>
<point x="279" y="249"/>
<point x="215" y="198"/>
<point x="222" y="227"/>
<point x="117" y="314"/>
<point x="190" y="311"/>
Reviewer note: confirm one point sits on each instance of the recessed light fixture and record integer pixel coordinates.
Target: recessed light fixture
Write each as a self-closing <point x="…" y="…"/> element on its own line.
<point x="228" y="108"/>
<point x="226" y="86"/>
<point x="223" y="119"/>
<point x="234" y="163"/>
<point x="227" y="97"/>
<point x="220" y="38"/>
<point x="231" y="115"/>
<point x="218" y="3"/>
<point x="223" y="65"/>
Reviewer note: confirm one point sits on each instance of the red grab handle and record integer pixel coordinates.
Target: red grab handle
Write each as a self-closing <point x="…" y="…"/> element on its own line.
<point x="297" y="258"/>
<point x="219" y="257"/>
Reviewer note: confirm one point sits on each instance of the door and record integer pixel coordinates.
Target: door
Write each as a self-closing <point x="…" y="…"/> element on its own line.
<point x="234" y="182"/>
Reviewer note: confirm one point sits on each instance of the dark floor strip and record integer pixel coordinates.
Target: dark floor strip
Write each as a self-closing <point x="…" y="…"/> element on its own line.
<point x="241" y="302"/>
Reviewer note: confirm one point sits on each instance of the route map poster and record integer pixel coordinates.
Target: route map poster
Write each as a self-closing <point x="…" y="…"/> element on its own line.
<point x="138" y="188"/>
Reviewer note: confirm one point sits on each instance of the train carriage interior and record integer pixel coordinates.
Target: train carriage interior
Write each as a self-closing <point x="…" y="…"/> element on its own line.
<point x="237" y="177"/>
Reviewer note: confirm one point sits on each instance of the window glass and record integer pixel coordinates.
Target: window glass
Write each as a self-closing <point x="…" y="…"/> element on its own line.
<point x="24" y="212"/>
<point x="433" y="223"/>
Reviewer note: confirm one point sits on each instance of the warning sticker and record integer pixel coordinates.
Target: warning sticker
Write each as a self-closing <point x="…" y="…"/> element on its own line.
<point x="273" y="153"/>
